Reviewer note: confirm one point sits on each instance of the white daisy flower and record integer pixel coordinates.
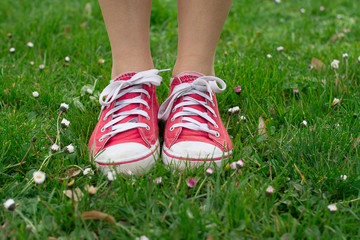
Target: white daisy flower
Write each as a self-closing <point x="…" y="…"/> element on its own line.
<point x="65" y="123"/>
<point x="359" y="59"/>
<point x="32" y="63"/>
<point x="277" y="1"/>
<point x="322" y="8"/>
<point x="335" y="64"/>
<point x="343" y="177"/>
<point x="143" y="237"/>
<point x="335" y="101"/>
<point x="30" y="44"/>
<point x="209" y="172"/>
<point x="332" y="207"/>
<point x="268" y="56"/>
<point x="243" y="118"/>
<point x="158" y="180"/>
<point x="304" y="123"/>
<point x="39" y="177"/>
<point x="233" y="166"/>
<point x="302" y="10"/>
<point x="88" y="171"/>
<point x="35" y="94"/>
<point x="64" y="107"/>
<point x="12" y="50"/>
<point x="69" y="148"/>
<point x="10" y="204"/>
<point x="269" y="191"/>
<point x="55" y="148"/>
<point x="240" y="163"/>
<point x="100" y="61"/>
<point x="41" y="66"/>
<point x="91" y="189"/>
<point x="281" y="48"/>
<point x="67" y="59"/>
<point x="345" y="56"/>
<point x="111" y="175"/>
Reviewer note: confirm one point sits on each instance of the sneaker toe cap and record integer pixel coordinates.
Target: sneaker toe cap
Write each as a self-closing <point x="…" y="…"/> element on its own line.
<point x="196" y="150"/>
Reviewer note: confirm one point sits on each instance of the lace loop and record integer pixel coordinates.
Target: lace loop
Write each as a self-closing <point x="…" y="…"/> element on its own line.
<point x="204" y="86"/>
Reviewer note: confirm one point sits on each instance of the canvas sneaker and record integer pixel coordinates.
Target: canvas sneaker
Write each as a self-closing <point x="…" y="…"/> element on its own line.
<point x="194" y="132"/>
<point x="125" y="138"/>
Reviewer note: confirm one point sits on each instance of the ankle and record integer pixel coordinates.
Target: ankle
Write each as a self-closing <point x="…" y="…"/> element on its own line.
<point x="204" y="66"/>
<point x="132" y="65"/>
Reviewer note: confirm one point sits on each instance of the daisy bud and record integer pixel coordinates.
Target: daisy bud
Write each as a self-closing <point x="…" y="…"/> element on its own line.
<point x="243" y="118"/>
<point x="268" y="56"/>
<point x="230" y="110"/>
<point x="304" y="123"/>
<point x="143" y="237"/>
<point x="355" y="115"/>
<point x="235" y="109"/>
<point x="302" y="10"/>
<point x="233" y="166"/>
<point x="335" y="64"/>
<point x="209" y="172"/>
<point x="100" y="61"/>
<point x="9" y="35"/>
<point x="281" y="48"/>
<point x="10" y="204"/>
<point x="64" y="107"/>
<point x="269" y="191"/>
<point x="12" y="50"/>
<point x="30" y="44"/>
<point x="240" y="164"/>
<point x="237" y="89"/>
<point x="111" y="176"/>
<point x="335" y="101"/>
<point x="343" y="177"/>
<point x="39" y="177"/>
<point x="35" y="94"/>
<point x="296" y="91"/>
<point x="65" y="123"/>
<point x="332" y="207"/>
<point x="69" y="148"/>
<point x="32" y="63"/>
<point x="277" y="1"/>
<point x="322" y="8"/>
<point x="359" y="59"/>
<point x="88" y="171"/>
<point x="91" y="190"/>
<point x="55" y="148"/>
<point x="191" y="182"/>
<point x="158" y="180"/>
<point x="336" y="125"/>
<point x="41" y="66"/>
<point x="345" y="56"/>
<point x="67" y="59"/>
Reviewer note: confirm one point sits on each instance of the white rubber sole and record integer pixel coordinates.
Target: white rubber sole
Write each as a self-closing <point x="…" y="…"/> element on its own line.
<point x="138" y="165"/>
<point x="174" y="160"/>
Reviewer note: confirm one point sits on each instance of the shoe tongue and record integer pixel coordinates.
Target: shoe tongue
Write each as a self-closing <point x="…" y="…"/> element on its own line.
<point x="125" y="76"/>
<point x="186" y="77"/>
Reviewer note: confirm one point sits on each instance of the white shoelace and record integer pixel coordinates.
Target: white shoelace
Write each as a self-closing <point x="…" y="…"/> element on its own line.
<point x="117" y="89"/>
<point x="202" y="86"/>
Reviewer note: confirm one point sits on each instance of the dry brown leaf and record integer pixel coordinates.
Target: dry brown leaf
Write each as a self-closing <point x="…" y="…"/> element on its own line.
<point x="52" y="238"/>
<point x="261" y="126"/>
<point x="70" y="173"/>
<point x="337" y="36"/>
<point x="66" y="31"/>
<point x="317" y="64"/>
<point x="210" y="237"/>
<point x="76" y="195"/>
<point x="96" y="215"/>
<point x="357" y="141"/>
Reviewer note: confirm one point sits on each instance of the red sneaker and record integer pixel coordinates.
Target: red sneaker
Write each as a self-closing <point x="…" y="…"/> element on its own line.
<point x="126" y="136"/>
<point x="194" y="133"/>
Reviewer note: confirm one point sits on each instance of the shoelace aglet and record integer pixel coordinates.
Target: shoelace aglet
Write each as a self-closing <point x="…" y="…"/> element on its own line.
<point x="164" y="70"/>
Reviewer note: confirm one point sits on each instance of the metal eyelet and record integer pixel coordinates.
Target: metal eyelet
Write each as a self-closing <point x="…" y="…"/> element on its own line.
<point x="148" y="127"/>
<point x="171" y="129"/>
<point x="216" y="126"/>
<point x="173" y="110"/>
<point x="173" y="119"/>
<point x="102" y="130"/>
<point x="101" y="139"/>
<point x="104" y="119"/>
<point x="148" y="118"/>
<point x="217" y="134"/>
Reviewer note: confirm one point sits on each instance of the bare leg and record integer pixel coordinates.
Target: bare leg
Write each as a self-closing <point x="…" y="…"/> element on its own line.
<point x="127" y="23"/>
<point x="200" y="26"/>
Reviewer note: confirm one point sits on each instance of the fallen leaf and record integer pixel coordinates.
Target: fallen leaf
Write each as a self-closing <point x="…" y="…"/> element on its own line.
<point x="52" y="238"/>
<point x="261" y="127"/>
<point x="317" y="64"/>
<point x="96" y="215"/>
<point x="210" y="237"/>
<point x="66" y="31"/>
<point x="70" y="173"/>
<point x="337" y="36"/>
<point x="74" y="195"/>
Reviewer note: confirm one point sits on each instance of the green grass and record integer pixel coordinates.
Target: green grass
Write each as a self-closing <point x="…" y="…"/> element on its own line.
<point x="229" y="206"/>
